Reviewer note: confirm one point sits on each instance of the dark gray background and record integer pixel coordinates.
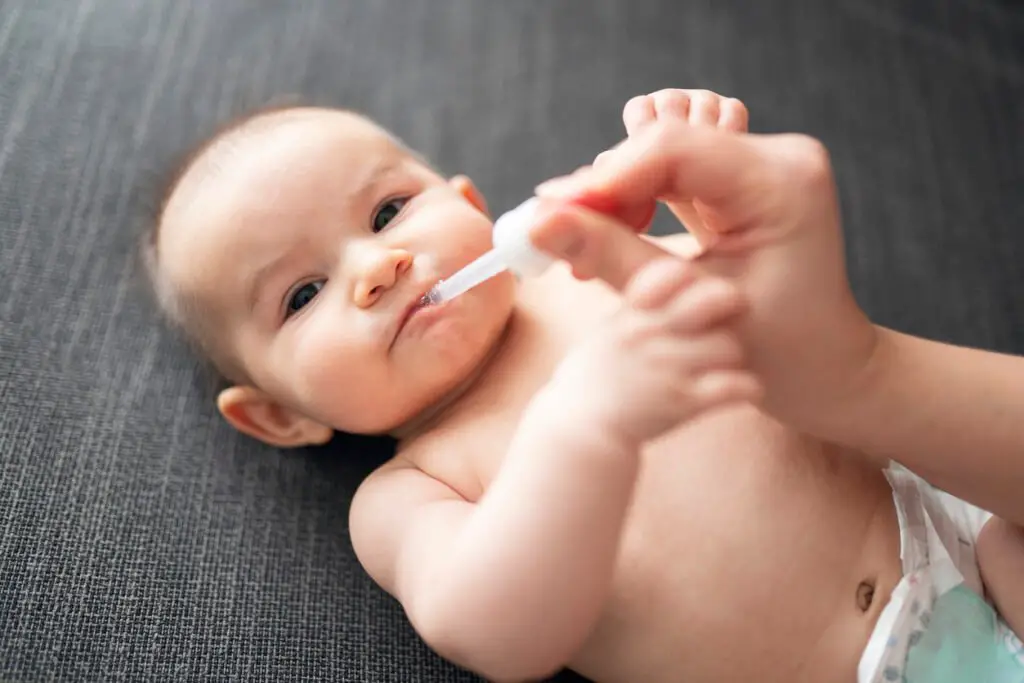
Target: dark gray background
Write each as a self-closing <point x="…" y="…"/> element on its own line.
<point x="140" y="539"/>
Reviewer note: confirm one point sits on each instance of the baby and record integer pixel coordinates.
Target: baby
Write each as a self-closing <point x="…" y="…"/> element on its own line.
<point x="585" y="477"/>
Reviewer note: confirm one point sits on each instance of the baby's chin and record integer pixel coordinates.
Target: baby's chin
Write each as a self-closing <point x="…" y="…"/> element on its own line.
<point x="384" y="413"/>
<point x="423" y="385"/>
<point x="389" y="423"/>
<point x="433" y="406"/>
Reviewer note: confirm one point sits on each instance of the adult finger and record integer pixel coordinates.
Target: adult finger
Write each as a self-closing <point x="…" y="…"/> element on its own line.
<point x="593" y="243"/>
<point x="637" y="113"/>
<point x="704" y="108"/>
<point x="676" y="162"/>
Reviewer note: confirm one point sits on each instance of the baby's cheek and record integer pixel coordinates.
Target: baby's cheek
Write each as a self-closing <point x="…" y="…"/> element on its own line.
<point x="457" y="233"/>
<point x="325" y="365"/>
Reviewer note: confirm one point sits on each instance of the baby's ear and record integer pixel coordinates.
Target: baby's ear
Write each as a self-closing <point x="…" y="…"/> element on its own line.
<point x="254" y="412"/>
<point x="464" y="186"/>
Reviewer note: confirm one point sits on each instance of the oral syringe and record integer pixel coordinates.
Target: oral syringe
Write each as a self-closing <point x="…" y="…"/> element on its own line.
<point x="512" y="251"/>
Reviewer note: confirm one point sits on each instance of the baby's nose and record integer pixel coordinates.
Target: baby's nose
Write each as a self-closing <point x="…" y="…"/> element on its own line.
<point x="381" y="274"/>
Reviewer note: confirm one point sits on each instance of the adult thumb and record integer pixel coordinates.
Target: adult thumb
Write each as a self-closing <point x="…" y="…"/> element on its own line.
<point x="673" y="161"/>
<point x="594" y="244"/>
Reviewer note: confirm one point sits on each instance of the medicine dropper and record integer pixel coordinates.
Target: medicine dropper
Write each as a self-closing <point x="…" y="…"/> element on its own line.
<point x="512" y="251"/>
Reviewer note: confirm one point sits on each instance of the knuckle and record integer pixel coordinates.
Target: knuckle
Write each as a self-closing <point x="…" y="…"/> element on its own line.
<point x="635" y="106"/>
<point x="731" y="299"/>
<point x="629" y="328"/>
<point x="704" y="98"/>
<point x="636" y="101"/>
<point x="663" y="279"/>
<point x="811" y="164"/>
<point x="718" y="293"/>
<point x="736" y="106"/>
<point x="670" y="96"/>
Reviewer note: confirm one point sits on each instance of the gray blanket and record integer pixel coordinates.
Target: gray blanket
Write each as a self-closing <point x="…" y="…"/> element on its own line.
<point x="140" y="539"/>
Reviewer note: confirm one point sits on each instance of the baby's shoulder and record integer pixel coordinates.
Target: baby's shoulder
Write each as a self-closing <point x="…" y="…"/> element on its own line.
<point x="444" y="454"/>
<point x="385" y="508"/>
<point x="399" y="484"/>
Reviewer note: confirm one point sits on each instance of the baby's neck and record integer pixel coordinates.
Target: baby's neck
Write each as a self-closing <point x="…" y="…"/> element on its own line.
<point x="437" y="413"/>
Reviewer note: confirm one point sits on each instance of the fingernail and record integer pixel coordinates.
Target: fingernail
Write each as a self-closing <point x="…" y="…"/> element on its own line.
<point x="559" y="237"/>
<point x="568" y="246"/>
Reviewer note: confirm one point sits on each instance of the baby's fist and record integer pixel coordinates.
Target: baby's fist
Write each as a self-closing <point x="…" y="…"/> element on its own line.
<point x="668" y="355"/>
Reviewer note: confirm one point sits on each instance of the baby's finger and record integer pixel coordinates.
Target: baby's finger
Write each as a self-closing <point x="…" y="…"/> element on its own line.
<point x="702" y="354"/>
<point x="656" y="283"/>
<point x="704" y="106"/>
<point x="722" y="387"/>
<point x="637" y="113"/>
<point x="687" y="247"/>
<point x="705" y="304"/>
<point x="734" y="115"/>
<point x="671" y="103"/>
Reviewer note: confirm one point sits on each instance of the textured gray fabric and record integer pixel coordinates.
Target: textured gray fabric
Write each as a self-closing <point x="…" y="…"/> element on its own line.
<point x="139" y="538"/>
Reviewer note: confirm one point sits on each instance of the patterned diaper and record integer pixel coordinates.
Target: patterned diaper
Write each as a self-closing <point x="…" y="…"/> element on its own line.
<point x="937" y="627"/>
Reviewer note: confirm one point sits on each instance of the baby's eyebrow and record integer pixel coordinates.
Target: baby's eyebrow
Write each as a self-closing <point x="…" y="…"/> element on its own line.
<point x="255" y="281"/>
<point x="372" y="178"/>
<point x="365" y="185"/>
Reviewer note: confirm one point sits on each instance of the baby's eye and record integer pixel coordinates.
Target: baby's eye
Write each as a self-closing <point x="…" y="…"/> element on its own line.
<point x="303" y="295"/>
<point x="387" y="212"/>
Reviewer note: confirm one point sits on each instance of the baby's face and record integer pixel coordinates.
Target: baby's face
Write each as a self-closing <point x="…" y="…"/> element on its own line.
<point x="310" y="241"/>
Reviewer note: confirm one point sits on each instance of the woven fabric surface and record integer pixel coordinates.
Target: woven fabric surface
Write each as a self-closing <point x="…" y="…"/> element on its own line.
<point x="140" y="539"/>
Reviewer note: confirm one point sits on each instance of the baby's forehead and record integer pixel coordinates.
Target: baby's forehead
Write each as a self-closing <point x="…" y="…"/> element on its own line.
<point x="284" y="163"/>
<point x="283" y="133"/>
<point x="253" y="163"/>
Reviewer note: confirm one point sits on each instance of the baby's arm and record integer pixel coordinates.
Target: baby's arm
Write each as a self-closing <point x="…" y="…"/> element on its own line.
<point x="1001" y="558"/>
<point x="511" y="586"/>
<point x="953" y="415"/>
<point x="508" y="587"/>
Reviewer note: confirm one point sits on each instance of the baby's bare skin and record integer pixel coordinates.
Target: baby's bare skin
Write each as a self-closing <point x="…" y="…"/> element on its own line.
<point x="746" y="545"/>
<point x="747" y="550"/>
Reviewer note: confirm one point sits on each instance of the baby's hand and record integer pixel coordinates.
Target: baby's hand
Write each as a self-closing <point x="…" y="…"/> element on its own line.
<point x="665" y="357"/>
<point x="696" y="108"/>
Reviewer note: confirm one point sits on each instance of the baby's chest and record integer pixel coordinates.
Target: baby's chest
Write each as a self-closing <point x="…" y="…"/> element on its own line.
<point x="556" y="313"/>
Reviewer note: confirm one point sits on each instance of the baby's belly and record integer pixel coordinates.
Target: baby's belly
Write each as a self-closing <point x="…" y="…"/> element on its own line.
<point x="742" y="559"/>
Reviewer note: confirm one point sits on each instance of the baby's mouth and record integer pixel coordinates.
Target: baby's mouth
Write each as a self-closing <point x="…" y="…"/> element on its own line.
<point x="416" y="305"/>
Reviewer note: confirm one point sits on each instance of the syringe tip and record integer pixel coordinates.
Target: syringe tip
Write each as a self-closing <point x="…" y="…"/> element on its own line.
<point x="431" y="298"/>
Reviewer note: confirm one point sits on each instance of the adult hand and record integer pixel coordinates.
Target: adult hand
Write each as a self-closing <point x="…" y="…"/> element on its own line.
<point x="769" y="223"/>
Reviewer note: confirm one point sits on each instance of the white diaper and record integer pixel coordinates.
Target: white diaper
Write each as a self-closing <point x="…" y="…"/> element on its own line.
<point x="938" y="606"/>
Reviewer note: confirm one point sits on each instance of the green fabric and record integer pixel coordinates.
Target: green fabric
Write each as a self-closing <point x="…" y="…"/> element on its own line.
<point x="961" y="644"/>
